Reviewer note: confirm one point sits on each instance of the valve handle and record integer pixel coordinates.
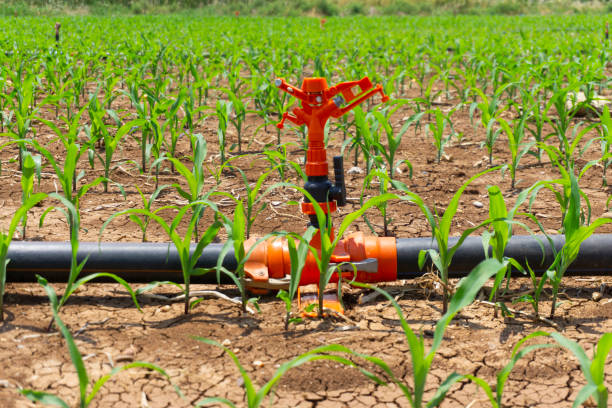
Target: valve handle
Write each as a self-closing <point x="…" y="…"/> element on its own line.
<point x="338" y="191"/>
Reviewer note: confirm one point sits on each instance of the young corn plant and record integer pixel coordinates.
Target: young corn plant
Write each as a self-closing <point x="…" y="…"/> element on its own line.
<point x="255" y="398"/>
<point x="575" y="233"/>
<point x="535" y="116"/>
<point x="518" y="149"/>
<point x="593" y="369"/>
<point x="499" y="234"/>
<point x="495" y="393"/>
<point x="237" y="115"/>
<point x="438" y="129"/>
<point x="236" y="230"/>
<point x="329" y="241"/>
<point x="466" y="291"/>
<point x="194" y="177"/>
<point x="298" y="256"/>
<point x="428" y="94"/>
<point x="31" y="167"/>
<point x="145" y="138"/>
<point x="279" y="160"/>
<point x="6" y="238"/>
<point x="384" y="181"/>
<point x="440" y="228"/>
<point x="570" y="149"/>
<point x="490" y="110"/>
<point x="605" y="131"/>
<point x="188" y="257"/>
<point x="389" y="151"/>
<point x="562" y="121"/>
<point x="141" y="220"/>
<point x="363" y="140"/>
<point x="110" y="141"/>
<point x="72" y="215"/>
<point x="86" y="396"/>
<point x="66" y="173"/>
<point x="223" y="111"/>
<point x="253" y="196"/>
<point x="23" y="103"/>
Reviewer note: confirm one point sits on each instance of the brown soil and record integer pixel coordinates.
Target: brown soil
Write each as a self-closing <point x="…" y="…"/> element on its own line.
<point x="110" y="331"/>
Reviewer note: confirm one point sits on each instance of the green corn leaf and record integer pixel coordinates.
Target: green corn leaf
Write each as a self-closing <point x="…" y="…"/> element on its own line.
<point x="75" y="355"/>
<point x="44" y="398"/>
<point x="466" y="291"/>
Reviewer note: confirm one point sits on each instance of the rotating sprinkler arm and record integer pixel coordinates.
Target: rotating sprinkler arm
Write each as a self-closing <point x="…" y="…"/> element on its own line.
<point x="318" y="103"/>
<point x="361" y="99"/>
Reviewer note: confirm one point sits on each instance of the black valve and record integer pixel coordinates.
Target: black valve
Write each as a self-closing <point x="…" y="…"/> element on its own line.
<point x="338" y="191"/>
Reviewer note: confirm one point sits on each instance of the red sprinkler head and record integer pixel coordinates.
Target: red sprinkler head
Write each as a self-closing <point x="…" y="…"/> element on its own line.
<point x="319" y="103"/>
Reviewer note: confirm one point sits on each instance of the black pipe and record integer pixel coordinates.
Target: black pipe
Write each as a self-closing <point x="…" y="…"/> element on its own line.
<point x="594" y="258"/>
<point x="146" y="262"/>
<point x="133" y="261"/>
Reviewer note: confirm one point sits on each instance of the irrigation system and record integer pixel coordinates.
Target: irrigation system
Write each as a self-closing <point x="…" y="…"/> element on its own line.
<point x="377" y="259"/>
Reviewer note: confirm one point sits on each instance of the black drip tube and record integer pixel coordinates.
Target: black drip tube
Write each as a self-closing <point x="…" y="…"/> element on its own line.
<point x="147" y="262"/>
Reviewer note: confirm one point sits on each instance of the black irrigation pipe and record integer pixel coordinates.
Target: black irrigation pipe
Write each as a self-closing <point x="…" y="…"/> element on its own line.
<point x="146" y="262"/>
<point x="594" y="258"/>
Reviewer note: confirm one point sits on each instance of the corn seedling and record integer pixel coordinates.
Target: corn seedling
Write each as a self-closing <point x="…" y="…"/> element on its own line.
<point x="298" y="258"/>
<point x="490" y="110"/>
<point x="142" y="220"/>
<point x="255" y="398"/>
<point x="72" y="215"/>
<point x="193" y="177"/>
<point x="593" y="369"/>
<point x="466" y="291"/>
<point x="499" y="236"/>
<point x="575" y="233"/>
<point x="495" y="393"/>
<point x="605" y="131"/>
<point x="31" y="167"/>
<point x="253" y="197"/>
<point x="6" y="238"/>
<point x="363" y="140"/>
<point x="237" y="115"/>
<point x="329" y="241"/>
<point x="440" y="228"/>
<point x="279" y="160"/>
<point x="384" y="181"/>
<point x="223" y="111"/>
<point x="518" y="149"/>
<point x="188" y="258"/>
<point x="111" y="142"/>
<point x="438" y="129"/>
<point x="86" y="396"/>
<point x="393" y="141"/>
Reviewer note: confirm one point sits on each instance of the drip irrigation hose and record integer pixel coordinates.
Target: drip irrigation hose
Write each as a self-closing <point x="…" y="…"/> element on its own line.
<point x="147" y="262"/>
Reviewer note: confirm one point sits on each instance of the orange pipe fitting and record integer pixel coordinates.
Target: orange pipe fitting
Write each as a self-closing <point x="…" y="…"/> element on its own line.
<point x="271" y="259"/>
